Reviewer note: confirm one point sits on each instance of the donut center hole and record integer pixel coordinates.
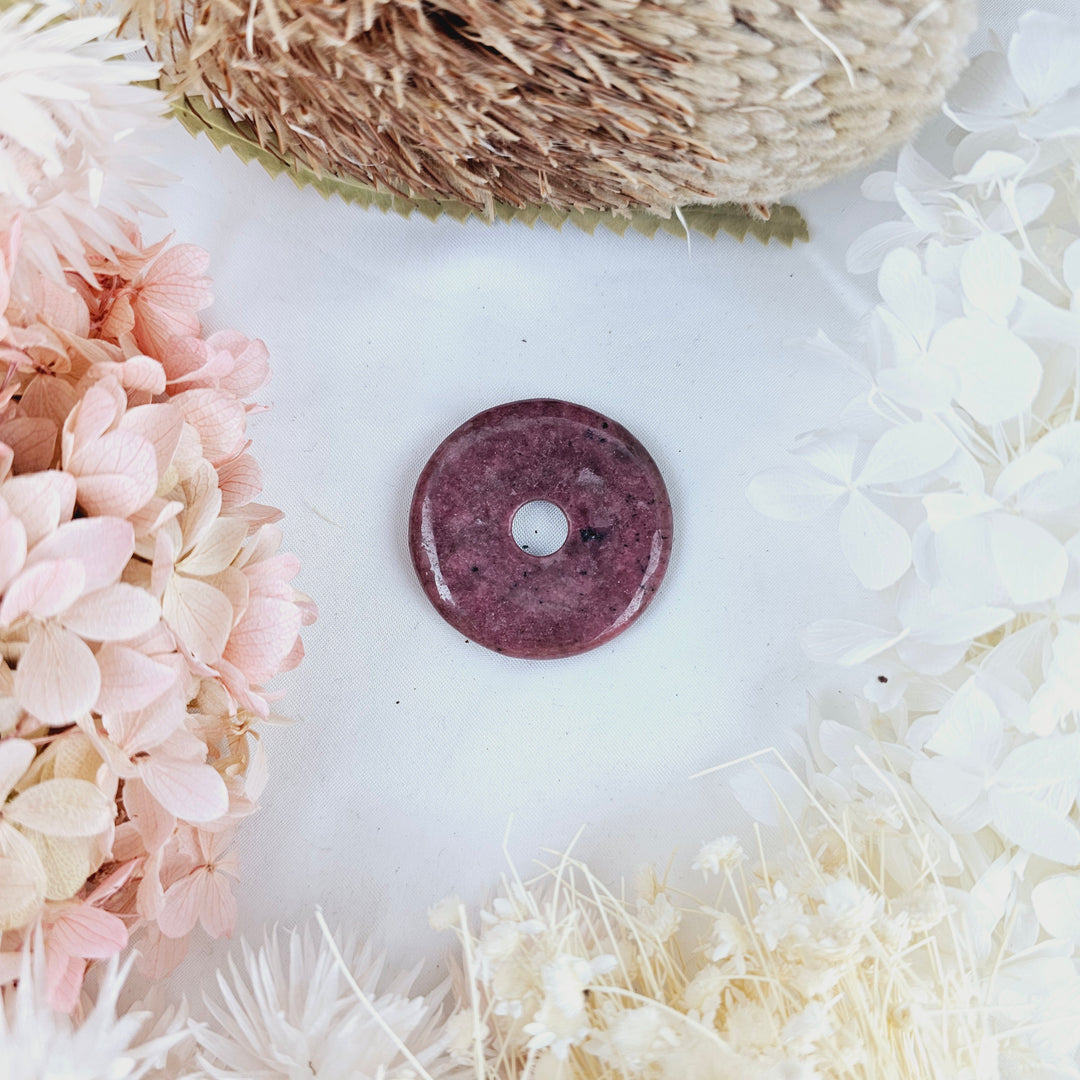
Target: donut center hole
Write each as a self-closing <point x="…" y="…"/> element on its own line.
<point x="540" y="528"/>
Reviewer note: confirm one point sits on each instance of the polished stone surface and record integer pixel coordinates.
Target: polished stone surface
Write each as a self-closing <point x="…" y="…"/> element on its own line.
<point x="524" y="605"/>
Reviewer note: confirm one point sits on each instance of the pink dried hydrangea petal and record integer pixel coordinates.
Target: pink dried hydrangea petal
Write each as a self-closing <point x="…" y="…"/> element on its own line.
<point x="263" y="638"/>
<point x="130" y="680"/>
<point x="41" y="501"/>
<point x="43" y="589"/>
<point x="219" y="419"/>
<point x="33" y="439"/>
<point x="200" y="615"/>
<point x="116" y="613"/>
<point x="192" y="790"/>
<point x="102" y="545"/>
<point x="57" y="679"/>
<point x="116" y="474"/>
<point x="88" y="932"/>
<point x="13" y="544"/>
<point x="160" y="425"/>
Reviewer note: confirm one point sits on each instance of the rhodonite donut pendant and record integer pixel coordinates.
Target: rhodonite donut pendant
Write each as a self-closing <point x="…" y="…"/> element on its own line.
<point x="519" y="603"/>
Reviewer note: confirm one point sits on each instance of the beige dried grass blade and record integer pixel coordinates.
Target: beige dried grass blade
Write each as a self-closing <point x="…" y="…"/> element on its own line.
<point x="785" y="224"/>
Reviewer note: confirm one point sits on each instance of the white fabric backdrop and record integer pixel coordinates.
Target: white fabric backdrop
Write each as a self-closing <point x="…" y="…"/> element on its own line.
<point x="412" y="749"/>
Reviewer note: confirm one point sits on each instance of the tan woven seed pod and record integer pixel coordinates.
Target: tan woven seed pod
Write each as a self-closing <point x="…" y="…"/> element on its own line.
<point x="577" y="104"/>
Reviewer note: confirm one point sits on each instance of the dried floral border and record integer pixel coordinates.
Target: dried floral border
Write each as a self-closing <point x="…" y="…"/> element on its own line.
<point x="783" y="223"/>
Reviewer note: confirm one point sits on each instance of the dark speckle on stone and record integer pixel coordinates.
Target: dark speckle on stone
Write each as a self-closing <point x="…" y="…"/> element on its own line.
<point x="589" y="533"/>
<point x="604" y="424"/>
<point x="476" y="569"/>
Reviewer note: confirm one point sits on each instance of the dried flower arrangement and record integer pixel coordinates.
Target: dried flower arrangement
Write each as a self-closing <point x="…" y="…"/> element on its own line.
<point x="143" y="601"/>
<point x="620" y="111"/>
<point x="912" y="908"/>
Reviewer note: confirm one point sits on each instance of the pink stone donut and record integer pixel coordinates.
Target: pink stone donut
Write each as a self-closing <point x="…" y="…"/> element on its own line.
<point x="540" y="607"/>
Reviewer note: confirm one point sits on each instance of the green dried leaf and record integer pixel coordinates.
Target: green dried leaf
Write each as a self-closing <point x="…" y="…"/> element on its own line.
<point x="784" y="224"/>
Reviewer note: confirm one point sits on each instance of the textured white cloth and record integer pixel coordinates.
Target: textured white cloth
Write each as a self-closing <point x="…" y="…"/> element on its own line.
<point x="412" y="749"/>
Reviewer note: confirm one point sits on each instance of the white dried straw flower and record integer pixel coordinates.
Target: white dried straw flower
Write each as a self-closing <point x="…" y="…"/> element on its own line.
<point x="303" y="1006"/>
<point x="73" y="156"/>
<point x="37" y="1043"/>
<point x="719" y="856"/>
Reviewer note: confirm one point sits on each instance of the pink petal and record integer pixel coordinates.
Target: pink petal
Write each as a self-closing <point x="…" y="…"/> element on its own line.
<point x="41" y="501"/>
<point x="219" y="419"/>
<point x="240" y="481"/>
<point x="185" y="359"/>
<point x="191" y="790"/>
<point x="203" y="896"/>
<point x="218" y="911"/>
<point x="43" y="589"/>
<point x="93" y="416"/>
<point x="12" y="546"/>
<point x="149" y="518"/>
<point x="57" y="679"/>
<point x="156" y="325"/>
<point x="89" y="932"/>
<point x="155" y="824"/>
<point x="63" y="977"/>
<point x="130" y="680"/>
<point x="182" y="904"/>
<point x="49" y="397"/>
<point x="159" y="425"/>
<point x="115" y="613"/>
<point x="113" y="883"/>
<point x="33" y="441"/>
<point x="271" y="576"/>
<point x="181" y="267"/>
<point x="116" y="474"/>
<point x="137" y="732"/>
<point x="142" y="373"/>
<point x="251" y="367"/>
<point x="104" y="545"/>
<point x="160" y="955"/>
<point x="263" y="638"/>
<point x="199" y="615"/>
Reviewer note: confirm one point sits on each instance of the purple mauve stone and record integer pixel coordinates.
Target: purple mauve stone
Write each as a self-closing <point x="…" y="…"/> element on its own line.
<point x="540" y="607"/>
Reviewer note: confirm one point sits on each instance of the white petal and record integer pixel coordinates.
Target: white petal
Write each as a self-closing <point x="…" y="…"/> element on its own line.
<point x="984" y="94"/>
<point x="1042" y="57"/>
<point x="766" y="791"/>
<point x="908" y="292"/>
<point x="990" y="274"/>
<point x="1057" y="905"/>
<point x="1071" y="266"/>
<point x="907" y="452"/>
<point x="969" y="729"/>
<point x="946" y="786"/>
<point x="1035" y="827"/>
<point x="1032" y="562"/>
<point x="868" y="252"/>
<point x="792" y="494"/>
<point x="844" y="642"/>
<point x="876" y="546"/>
<point x="963" y="627"/>
<point x="999" y="373"/>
